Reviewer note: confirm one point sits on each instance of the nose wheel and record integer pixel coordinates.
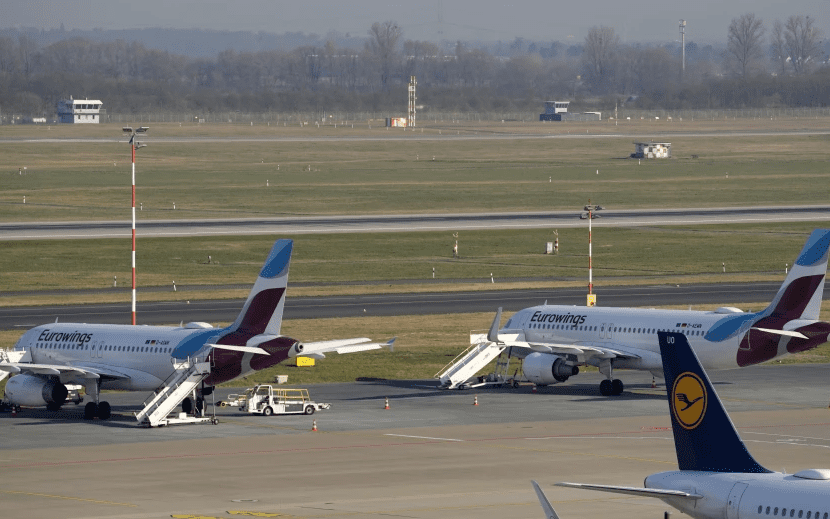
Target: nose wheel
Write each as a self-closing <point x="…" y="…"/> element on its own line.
<point x="609" y="387"/>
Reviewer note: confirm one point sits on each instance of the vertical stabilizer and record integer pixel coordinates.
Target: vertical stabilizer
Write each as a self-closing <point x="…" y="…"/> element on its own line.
<point x="704" y="436"/>
<point x="801" y="294"/>
<point x="262" y="313"/>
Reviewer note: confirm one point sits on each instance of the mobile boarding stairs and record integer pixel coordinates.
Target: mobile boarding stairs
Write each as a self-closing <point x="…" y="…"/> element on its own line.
<point x="187" y="375"/>
<point x="460" y="373"/>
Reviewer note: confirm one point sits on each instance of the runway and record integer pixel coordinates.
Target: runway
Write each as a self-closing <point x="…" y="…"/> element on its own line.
<point x="409" y="222"/>
<point x="216" y="311"/>
<point x="432" y="454"/>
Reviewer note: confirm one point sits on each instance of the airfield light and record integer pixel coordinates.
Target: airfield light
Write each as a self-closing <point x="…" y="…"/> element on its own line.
<point x="134" y="145"/>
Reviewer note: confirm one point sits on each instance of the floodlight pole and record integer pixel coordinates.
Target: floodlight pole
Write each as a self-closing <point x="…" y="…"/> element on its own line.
<point x="134" y="145"/>
<point x="132" y="148"/>
<point x="592" y="300"/>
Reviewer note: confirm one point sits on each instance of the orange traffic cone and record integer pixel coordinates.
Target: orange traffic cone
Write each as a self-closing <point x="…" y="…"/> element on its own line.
<point x="314" y="426"/>
<point x="14" y="411"/>
<point x="475" y="401"/>
<point x="387" y="403"/>
<point x="653" y="384"/>
<point x="534" y="389"/>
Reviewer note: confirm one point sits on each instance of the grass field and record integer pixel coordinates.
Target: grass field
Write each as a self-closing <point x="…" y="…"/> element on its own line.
<point x="85" y="180"/>
<point x="620" y="255"/>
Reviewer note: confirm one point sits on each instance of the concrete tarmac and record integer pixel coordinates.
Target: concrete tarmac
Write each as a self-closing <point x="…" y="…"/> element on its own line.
<point x="432" y="454"/>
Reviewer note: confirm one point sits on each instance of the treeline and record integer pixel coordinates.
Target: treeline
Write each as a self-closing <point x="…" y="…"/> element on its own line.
<point x="130" y="77"/>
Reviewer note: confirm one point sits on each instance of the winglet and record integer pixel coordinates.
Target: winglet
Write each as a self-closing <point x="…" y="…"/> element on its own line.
<point x="391" y="343"/>
<point x="704" y="437"/>
<point x="493" y="334"/>
<point x="550" y="513"/>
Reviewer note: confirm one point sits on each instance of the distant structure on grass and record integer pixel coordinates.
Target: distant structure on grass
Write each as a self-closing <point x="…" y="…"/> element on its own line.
<point x="558" y="111"/>
<point x="83" y="111"/>
<point x="652" y="150"/>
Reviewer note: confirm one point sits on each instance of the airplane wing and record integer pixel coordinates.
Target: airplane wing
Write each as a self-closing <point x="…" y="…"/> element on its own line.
<point x="59" y="369"/>
<point x="550" y="513"/>
<point x="317" y="350"/>
<point x="632" y="491"/>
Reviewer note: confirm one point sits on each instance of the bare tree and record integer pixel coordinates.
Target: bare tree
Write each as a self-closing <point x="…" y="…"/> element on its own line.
<point x="802" y="42"/>
<point x="778" y="46"/>
<point x="599" y="56"/>
<point x="383" y="44"/>
<point x="744" y="40"/>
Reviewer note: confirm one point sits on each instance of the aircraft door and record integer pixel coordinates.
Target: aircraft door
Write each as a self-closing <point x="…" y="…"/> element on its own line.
<point x="734" y="501"/>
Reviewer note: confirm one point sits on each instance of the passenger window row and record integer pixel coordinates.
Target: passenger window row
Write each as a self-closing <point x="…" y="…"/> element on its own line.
<point x="138" y="349"/>
<point x="648" y="331"/>
<point x="792" y="513"/>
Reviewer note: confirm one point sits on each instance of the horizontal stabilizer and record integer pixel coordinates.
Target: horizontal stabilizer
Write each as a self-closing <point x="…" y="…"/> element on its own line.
<point x="632" y="491"/>
<point x="247" y="349"/>
<point x="785" y="333"/>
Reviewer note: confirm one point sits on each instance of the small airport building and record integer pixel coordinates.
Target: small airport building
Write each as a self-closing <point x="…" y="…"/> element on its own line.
<point x="558" y="111"/>
<point x="79" y="111"/>
<point x="652" y="150"/>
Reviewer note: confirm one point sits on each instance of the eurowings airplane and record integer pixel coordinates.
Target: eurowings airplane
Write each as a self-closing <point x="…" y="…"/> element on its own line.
<point x="140" y="358"/>
<point x="555" y="340"/>
<point x="718" y="478"/>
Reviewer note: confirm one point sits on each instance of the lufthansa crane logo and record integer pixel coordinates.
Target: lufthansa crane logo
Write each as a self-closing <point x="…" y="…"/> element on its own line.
<point x="689" y="400"/>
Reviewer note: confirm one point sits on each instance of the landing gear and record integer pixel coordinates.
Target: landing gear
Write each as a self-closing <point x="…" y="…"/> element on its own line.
<point x="101" y="410"/>
<point x="611" y="387"/>
<point x="187" y="406"/>
<point x="104" y="410"/>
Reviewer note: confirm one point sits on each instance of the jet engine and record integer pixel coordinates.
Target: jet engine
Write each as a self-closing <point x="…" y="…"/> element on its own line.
<point x="543" y="368"/>
<point x="296" y="349"/>
<point x="31" y="391"/>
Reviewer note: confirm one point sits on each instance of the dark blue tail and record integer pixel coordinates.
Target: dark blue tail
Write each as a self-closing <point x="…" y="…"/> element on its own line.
<point x="704" y="436"/>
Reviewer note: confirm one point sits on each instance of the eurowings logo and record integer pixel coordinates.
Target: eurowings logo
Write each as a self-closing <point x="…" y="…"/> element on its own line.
<point x="689" y="400"/>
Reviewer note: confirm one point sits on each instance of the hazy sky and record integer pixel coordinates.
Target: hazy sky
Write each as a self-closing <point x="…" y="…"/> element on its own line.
<point x="544" y="20"/>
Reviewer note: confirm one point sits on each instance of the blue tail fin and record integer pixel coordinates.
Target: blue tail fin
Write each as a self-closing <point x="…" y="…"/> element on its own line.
<point x="262" y="313"/>
<point x="704" y="436"/>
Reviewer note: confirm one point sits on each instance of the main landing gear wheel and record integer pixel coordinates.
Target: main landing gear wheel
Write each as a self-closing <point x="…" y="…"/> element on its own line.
<point x="187" y="406"/>
<point x="90" y="410"/>
<point x="104" y="411"/>
<point x="611" y="387"/>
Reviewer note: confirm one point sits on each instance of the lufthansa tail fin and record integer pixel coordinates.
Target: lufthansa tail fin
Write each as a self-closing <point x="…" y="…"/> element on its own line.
<point x="704" y="436"/>
<point x="262" y="313"/>
<point x="802" y="291"/>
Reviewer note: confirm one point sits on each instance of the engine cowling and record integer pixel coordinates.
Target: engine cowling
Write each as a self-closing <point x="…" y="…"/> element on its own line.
<point x="296" y="349"/>
<point x="543" y="368"/>
<point x="31" y="391"/>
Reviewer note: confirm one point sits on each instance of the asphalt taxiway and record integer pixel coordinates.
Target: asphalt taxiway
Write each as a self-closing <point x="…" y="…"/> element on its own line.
<point x="411" y="222"/>
<point x="432" y="454"/>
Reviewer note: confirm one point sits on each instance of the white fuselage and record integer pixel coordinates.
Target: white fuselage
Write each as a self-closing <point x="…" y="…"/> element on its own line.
<point x="632" y="331"/>
<point x="144" y="355"/>
<point x="746" y="496"/>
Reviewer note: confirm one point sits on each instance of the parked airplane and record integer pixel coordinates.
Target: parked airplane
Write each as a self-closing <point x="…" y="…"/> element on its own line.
<point x="718" y="478"/>
<point x="141" y="358"/>
<point x="555" y="340"/>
